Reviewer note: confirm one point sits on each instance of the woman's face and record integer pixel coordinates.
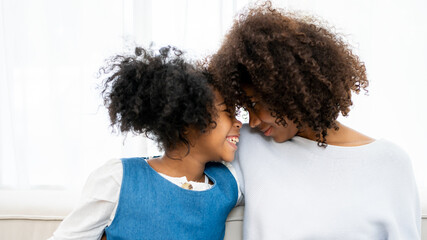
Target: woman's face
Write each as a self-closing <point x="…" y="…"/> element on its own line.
<point x="261" y="118"/>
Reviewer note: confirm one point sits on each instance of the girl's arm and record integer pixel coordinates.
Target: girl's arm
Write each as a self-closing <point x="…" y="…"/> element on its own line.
<point x="97" y="205"/>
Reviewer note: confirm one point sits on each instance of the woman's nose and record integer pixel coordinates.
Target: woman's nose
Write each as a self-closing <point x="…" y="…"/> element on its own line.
<point x="254" y="121"/>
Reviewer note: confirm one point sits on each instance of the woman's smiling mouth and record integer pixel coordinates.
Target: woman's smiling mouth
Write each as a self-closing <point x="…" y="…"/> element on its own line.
<point x="268" y="131"/>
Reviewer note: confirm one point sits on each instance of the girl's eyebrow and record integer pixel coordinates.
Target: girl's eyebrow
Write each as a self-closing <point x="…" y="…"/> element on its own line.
<point x="219" y="104"/>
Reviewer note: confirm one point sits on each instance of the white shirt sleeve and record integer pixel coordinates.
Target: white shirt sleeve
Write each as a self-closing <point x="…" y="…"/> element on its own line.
<point x="96" y="207"/>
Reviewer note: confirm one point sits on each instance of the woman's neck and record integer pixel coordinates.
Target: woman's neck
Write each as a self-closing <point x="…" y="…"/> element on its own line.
<point x="344" y="136"/>
<point x="190" y="166"/>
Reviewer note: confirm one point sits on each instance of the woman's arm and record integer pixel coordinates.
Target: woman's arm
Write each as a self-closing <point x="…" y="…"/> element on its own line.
<point x="406" y="209"/>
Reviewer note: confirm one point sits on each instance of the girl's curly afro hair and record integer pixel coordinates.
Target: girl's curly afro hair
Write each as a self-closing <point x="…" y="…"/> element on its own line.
<point x="299" y="68"/>
<point x="160" y="95"/>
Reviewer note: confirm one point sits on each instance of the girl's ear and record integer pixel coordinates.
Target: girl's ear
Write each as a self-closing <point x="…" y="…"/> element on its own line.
<point x="191" y="134"/>
<point x="186" y="131"/>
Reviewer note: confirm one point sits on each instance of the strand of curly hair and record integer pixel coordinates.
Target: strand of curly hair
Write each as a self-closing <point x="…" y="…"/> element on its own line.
<point x="300" y="68"/>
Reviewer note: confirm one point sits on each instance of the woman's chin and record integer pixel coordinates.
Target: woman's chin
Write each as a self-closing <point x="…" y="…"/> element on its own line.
<point x="280" y="139"/>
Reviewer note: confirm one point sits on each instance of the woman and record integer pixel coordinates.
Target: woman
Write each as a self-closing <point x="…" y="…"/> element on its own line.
<point x="309" y="176"/>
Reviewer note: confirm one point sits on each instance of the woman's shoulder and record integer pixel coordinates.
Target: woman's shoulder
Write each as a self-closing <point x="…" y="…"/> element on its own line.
<point x="252" y="136"/>
<point x="246" y="129"/>
<point x="390" y="150"/>
<point x="386" y="157"/>
<point x="348" y="138"/>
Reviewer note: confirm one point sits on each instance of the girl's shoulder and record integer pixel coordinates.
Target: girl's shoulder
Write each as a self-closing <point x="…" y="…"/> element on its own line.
<point x="111" y="168"/>
<point x="105" y="182"/>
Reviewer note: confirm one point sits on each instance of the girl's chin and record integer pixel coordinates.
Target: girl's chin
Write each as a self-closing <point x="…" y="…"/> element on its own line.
<point x="228" y="159"/>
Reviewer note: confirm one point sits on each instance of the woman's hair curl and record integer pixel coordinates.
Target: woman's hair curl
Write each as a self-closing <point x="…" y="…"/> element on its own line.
<point x="300" y="68"/>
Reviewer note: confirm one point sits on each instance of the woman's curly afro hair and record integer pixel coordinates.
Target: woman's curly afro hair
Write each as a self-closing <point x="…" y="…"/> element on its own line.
<point x="299" y="68"/>
<point x="160" y="95"/>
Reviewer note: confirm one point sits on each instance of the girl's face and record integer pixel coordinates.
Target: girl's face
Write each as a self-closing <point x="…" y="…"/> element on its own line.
<point x="220" y="143"/>
<point x="260" y="118"/>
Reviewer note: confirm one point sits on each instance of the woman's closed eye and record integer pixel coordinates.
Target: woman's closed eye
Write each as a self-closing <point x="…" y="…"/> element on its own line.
<point x="253" y="104"/>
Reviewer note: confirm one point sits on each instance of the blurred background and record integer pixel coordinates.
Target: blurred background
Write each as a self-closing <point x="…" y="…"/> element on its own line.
<point x="54" y="129"/>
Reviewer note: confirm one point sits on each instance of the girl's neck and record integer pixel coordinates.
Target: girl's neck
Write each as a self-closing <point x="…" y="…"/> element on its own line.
<point x="189" y="166"/>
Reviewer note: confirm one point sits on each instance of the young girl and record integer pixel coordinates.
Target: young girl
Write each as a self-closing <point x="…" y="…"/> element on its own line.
<point x="307" y="176"/>
<point x="185" y="194"/>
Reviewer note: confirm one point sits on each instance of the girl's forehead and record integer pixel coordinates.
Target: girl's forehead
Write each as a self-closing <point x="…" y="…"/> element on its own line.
<point x="218" y="98"/>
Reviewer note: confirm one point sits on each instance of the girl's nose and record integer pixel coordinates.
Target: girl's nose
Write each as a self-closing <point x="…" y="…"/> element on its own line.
<point x="237" y="123"/>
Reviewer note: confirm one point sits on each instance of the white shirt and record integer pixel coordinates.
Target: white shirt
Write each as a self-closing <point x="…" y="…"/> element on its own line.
<point x="297" y="190"/>
<point x="98" y="203"/>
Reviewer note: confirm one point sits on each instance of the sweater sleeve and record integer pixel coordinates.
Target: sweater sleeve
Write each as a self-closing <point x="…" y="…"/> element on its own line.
<point x="96" y="207"/>
<point x="406" y="212"/>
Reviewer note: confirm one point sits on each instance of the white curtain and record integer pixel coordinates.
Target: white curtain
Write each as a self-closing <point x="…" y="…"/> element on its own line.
<point x="54" y="130"/>
<point x="52" y="125"/>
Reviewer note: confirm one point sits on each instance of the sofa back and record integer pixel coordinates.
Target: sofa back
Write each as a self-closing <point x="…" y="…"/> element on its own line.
<point x="35" y="215"/>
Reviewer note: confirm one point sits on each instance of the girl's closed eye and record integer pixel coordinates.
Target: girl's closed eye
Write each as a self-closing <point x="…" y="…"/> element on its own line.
<point x="229" y="112"/>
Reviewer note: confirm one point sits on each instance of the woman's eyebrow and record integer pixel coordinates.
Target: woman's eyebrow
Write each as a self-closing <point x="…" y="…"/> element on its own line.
<point x="251" y="96"/>
<point x="219" y="104"/>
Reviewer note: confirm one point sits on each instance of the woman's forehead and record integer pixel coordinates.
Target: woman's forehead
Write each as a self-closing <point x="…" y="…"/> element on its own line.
<point x="249" y="91"/>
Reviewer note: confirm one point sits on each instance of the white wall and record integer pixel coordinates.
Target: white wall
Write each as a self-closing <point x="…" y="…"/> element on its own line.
<point x="391" y="38"/>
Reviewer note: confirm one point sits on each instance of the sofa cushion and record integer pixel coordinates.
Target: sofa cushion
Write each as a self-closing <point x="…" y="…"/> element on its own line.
<point x="35" y="214"/>
<point x="26" y="215"/>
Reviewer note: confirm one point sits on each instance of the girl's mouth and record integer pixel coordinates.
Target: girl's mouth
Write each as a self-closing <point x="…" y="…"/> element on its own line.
<point x="233" y="140"/>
